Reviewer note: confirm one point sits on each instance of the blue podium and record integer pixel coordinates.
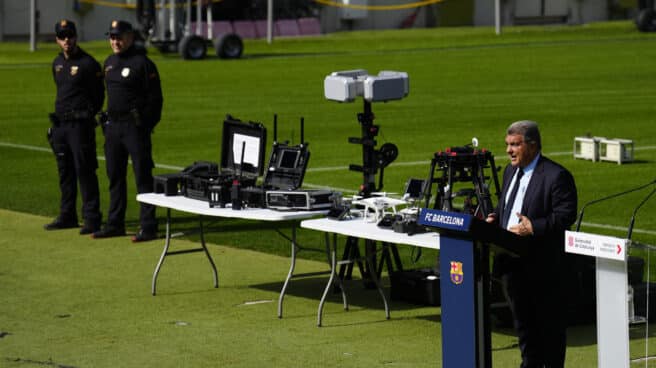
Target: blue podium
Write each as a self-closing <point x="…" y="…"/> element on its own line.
<point x="464" y="281"/>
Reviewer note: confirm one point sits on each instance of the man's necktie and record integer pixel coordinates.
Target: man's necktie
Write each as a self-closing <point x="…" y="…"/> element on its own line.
<point x="513" y="194"/>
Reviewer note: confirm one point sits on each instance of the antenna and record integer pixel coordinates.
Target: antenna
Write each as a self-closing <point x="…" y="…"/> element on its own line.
<point x="234" y="190"/>
<point x="275" y="128"/>
<point x="243" y="151"/>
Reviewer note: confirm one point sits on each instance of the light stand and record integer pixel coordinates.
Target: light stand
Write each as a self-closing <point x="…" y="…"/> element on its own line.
<point x="345" y="87"/>
<point x="372" y="159"/>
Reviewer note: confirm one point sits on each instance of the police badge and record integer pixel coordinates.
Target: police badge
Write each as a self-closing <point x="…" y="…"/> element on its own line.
<point x="456" y="272"/>
<point x="125" y="72"/>
<point x="74" y="69"/>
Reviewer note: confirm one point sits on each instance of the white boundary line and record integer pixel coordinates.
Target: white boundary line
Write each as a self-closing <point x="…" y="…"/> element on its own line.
<point x="418" y="163"/>
<point x="618" y="228"/>
<point x="344" y="190"/>
<point x="101" y="158"/>
<point x="314" y="169"/>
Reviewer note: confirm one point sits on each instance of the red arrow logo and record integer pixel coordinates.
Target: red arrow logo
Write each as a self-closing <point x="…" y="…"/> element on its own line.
<point x="619" y="249"/>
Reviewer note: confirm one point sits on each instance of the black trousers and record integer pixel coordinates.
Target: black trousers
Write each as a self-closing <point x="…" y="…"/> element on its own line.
<point x="74" y="146"/>
<point x="124" y="139"/>
<point x="538" y="303"/>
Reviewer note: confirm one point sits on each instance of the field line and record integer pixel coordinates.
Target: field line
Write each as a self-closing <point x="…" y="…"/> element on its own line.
<point x="310" y="169"/>
<point x="426" y="162"/>
<point x="618" y="228"/>
<point x="350" y="191"/>
<point x="25" y="147"/>
<point x="100" y="158"/>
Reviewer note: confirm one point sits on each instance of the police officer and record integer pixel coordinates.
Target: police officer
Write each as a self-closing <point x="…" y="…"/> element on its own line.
<point x="80" y="95"/>
<point x="134" y="105"/>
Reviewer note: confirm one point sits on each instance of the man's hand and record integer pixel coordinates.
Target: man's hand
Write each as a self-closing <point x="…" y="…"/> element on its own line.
<point x="523" y="228"/>
<point x="491" y="218"/>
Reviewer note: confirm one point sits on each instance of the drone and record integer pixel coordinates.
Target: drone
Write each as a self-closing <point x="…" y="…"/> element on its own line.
<point x="375" y="208"/>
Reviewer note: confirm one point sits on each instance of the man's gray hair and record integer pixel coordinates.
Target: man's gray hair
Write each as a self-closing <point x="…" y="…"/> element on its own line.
<point x="528" y="129"/>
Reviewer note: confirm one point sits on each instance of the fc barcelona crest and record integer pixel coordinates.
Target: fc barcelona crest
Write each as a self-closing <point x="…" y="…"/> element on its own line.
<point x="456" y="273"/>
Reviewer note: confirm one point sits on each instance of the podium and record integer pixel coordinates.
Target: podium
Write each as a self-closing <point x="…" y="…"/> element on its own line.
<point x="464" y="278"/>
<point x="612" y="291"/>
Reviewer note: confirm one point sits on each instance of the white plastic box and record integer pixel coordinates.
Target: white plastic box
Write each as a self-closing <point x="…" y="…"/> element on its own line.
<point x="587" y="148"/>
<point x="616" y="150"/>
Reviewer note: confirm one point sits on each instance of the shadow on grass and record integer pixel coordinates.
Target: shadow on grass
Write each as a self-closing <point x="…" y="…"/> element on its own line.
<point x="189" y="224"/>
<point x="357" y="294"/>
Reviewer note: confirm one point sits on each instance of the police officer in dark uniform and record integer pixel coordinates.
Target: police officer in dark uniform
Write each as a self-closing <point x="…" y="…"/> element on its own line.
<point x="80" y="95"/>
<point x="134" y="106"/>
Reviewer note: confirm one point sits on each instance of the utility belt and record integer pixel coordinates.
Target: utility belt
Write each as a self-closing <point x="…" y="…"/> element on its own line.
<point x="74" y="115"/>
<point x="131" y="116"/>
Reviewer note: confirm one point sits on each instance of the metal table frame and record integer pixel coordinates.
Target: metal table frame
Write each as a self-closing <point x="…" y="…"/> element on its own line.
<point x="359" y="228"/>
<point x="166" y="251"/>
<point x="188" y="205"/>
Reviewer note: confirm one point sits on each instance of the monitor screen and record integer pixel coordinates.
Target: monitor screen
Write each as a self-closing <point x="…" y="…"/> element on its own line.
<point x="247" y="147"/>
<point x="288" y="159"/>
<point x="414" y="188"/>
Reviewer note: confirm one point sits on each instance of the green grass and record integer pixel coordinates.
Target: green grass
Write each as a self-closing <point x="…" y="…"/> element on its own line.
<point x="72" y="302"/>
<point x="464" y="82"/>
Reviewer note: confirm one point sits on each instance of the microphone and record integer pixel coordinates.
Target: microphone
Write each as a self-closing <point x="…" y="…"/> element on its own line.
<point x="628" y="236"/>
<point x="578" y="222"/>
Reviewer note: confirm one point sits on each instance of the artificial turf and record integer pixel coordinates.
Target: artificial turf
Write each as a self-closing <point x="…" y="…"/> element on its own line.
<point x="71" y="301"/>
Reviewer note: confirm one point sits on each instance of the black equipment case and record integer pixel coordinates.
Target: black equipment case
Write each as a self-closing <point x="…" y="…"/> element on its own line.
<point x="284" y="175"/>
<point x="420" y="286"/>
<point x="299" y="199"/>
<point x="242" y="155"/>
<point x="168" y="184"/>
<point x="243" y="146"/>
<point x="197" y="178"/>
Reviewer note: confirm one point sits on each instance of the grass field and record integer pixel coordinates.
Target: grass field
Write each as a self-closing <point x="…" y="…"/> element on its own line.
<point x="594" y="79"/>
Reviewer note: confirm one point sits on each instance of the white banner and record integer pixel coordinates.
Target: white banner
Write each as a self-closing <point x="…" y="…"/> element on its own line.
<point x="596" y="245"/>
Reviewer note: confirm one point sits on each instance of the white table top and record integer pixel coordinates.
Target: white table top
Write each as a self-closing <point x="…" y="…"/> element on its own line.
<point x="182" y="203"/>
<point x="359" y="228"/>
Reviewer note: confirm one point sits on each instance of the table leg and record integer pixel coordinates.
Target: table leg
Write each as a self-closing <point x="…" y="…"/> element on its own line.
<point x="340" y="282"/>
<point x="291" y="271"/>
<point x="374" y="275"/>
<point x="167" y="242"/>
<point x="166" y="251"/>
<point x="333" y="266"/>
<point x="207" y="253"/>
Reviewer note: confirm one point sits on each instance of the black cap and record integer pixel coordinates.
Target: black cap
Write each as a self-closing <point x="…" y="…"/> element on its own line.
<point x="118" y="27"/>
<point x="65" y="28"/>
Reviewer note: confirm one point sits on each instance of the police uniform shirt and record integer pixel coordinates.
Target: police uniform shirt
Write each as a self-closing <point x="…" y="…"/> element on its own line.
<point x="79" y="81"/>
<point x="133" y="83"/>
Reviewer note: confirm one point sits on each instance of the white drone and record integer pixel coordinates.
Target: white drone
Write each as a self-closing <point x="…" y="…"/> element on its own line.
<point x="375" y="208"/>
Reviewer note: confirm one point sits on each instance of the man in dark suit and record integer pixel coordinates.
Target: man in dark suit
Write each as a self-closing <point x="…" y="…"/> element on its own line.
<point x="538" y="200"/>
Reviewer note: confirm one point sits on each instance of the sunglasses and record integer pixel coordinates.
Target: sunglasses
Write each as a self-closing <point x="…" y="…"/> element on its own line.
<point x="64" y="35"/>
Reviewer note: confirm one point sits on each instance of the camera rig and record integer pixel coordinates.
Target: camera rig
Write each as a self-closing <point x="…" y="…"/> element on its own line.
<point x="345" y="86"/>
<point x="462" y="164"/>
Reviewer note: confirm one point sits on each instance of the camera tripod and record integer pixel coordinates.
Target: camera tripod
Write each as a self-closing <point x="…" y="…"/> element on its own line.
<point x="373" y="161"/>
<point x="462" y="164"/>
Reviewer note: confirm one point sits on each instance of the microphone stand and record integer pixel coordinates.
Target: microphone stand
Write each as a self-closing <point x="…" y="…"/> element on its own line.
<point x="628" y="236"/>
<point x="580" y="218"/>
